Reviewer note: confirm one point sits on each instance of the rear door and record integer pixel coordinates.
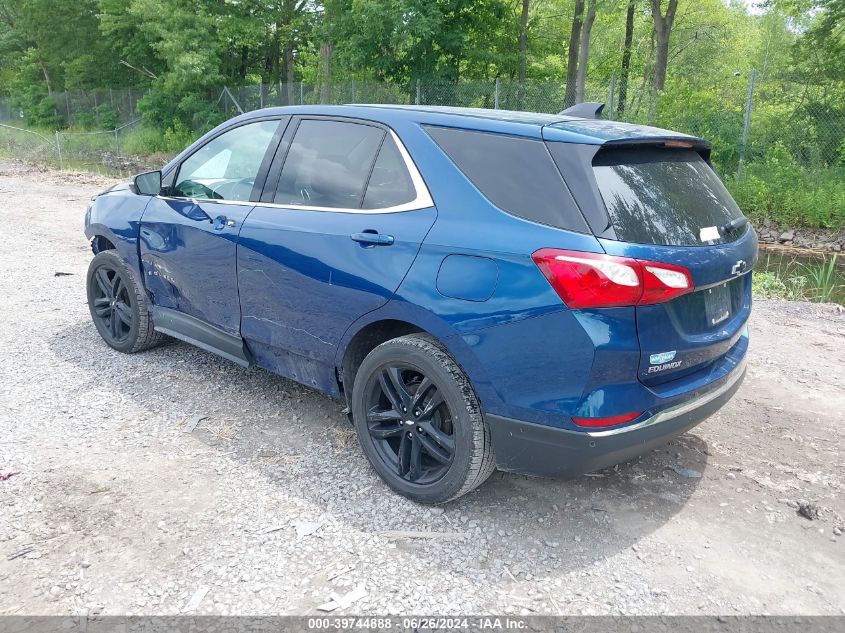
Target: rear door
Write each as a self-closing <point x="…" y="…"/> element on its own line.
<point x="666" y="204"/>
<point x="339" y="224"/>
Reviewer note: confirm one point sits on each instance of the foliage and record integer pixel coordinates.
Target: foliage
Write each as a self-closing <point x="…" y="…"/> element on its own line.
<point x="778" y="277"/>
<point x="146" y="140"/>
<point x="779" y="188"/>
<point x="776" y="285"/>
<point x="180" y="53"/>
<point x="822" y="278"/>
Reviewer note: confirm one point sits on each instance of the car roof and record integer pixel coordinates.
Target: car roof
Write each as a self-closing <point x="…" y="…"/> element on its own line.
<point x="551" y="127"/>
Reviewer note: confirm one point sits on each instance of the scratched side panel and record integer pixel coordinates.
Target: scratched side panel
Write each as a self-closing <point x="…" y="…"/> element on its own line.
<point x="302" y="281"/>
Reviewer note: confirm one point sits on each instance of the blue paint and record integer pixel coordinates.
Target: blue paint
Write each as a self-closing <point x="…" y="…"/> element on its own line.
<point x="296" y="286"/>
<point x="467" y="277"/>
<point x="303" y="280"/>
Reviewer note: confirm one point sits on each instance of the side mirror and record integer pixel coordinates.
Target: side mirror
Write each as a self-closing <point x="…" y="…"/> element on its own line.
<point x="147" y="184"/>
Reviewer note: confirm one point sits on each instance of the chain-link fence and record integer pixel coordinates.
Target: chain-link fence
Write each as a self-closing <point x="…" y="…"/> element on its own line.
<point x="781" y="119"/>
<point x="101" y="151"/>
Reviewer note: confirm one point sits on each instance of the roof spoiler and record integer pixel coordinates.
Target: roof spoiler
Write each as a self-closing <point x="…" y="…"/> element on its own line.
<point x="586" y="110"/>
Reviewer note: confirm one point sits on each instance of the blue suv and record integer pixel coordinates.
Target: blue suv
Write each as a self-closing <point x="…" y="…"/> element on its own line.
<point x="542" y="294"/>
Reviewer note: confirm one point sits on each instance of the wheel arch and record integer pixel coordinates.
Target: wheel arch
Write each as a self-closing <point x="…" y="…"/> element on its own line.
<point x="100" y="243"/>
<point x="392" y="321"/>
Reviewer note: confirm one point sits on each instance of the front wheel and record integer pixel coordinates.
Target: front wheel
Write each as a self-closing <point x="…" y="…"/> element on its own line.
<point x="419" y="421"/>
<point x="118" y="305"/>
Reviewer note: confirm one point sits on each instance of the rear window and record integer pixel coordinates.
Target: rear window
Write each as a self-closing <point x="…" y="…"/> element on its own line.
<point x="516" y="174"/>
<point x="664" y="196"/>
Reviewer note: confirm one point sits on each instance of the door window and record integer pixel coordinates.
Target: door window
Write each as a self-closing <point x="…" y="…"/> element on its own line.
<point x="390" y="183"/>
<point x="226" y="167"/>
<point x="328" y="164"/>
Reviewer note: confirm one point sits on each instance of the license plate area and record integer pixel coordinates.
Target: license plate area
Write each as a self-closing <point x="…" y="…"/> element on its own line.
<point x="717" y="304"/>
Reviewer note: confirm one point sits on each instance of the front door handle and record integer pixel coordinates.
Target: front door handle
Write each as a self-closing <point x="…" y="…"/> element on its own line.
<point x="372" y="238"/>
<point x="222" y="222"/>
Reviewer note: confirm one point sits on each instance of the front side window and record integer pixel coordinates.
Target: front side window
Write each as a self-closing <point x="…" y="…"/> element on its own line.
<point x="226" y="167"/>
<point x="328" y="164"/>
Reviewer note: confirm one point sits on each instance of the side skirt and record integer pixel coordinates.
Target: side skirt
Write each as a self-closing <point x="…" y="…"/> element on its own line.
<point x="197" y="332"/>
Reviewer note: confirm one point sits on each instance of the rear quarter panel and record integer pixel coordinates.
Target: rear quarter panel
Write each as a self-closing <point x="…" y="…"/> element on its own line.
<point x="527" y="355"/>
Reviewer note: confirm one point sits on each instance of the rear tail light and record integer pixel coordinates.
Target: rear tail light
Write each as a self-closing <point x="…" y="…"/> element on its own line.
<point x="593" y="280"/>
<point x="610" y="421"/>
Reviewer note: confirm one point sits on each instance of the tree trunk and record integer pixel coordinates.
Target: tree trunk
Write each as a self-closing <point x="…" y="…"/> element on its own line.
<point x="584" y="52"/>
<point x="663" y="31"/>
<point x="289" y="71"/>
<point x="626" y="57"/>
<point x="326" y="50"/>
<point x="572" y="54"/>
<point x="523" y="52"/>
<point x="47" y="79"/>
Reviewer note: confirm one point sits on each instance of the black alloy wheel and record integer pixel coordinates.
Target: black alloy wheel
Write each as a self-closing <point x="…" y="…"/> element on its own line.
<point x="111" y="305"/>
<point x="419" y="421"/>
<point x="119" y="305"/>
<point x="410" y="423"/>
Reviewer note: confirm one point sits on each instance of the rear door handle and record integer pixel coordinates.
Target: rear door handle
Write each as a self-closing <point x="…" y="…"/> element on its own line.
<point x="372" y="238"/>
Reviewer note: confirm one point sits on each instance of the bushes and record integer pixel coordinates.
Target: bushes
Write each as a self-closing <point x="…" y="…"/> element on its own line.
<point x="778" y="188"/>
<point x="146" y="140"/>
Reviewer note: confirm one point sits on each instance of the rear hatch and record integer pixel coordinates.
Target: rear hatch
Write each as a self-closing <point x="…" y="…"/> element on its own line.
<point x="663" y="202"/>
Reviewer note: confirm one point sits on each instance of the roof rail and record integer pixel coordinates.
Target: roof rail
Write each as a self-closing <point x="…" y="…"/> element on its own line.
<point x="586" y="110"/>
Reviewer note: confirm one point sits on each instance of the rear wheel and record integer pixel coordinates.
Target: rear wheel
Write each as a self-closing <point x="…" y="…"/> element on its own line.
<point x="419" y="421"/>
<point x="119" y="305"/>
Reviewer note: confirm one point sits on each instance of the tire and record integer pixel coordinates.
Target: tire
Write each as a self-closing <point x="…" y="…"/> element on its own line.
<point x="118" y="305"/>
<point x="419" y="421"/>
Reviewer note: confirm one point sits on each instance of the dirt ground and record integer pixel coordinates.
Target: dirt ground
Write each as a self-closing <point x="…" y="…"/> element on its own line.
<point x="268" y="506"/>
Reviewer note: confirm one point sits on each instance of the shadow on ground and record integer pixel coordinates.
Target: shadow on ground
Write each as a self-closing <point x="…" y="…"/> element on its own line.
<point x="303" y="443"/>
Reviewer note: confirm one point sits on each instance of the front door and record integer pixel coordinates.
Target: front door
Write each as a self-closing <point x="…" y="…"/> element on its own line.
<point x="333" y="241"/>
<point x="189" y="236"/>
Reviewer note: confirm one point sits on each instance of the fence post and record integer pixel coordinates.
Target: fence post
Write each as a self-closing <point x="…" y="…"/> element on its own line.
<point x="747" y="123"/>
<point x="117" y="141"/>
<point x="301" y="94"/>
<point x="232" y="97"/>
<point x="496" y="95"/>
<point x="417" y="102"/>
<point x="59" y="149"/>
<point x="261" y="94"/>
<point x="612" y="96"/>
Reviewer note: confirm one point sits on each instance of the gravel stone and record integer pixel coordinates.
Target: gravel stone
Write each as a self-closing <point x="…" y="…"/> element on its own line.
<point x="108" y="477"/>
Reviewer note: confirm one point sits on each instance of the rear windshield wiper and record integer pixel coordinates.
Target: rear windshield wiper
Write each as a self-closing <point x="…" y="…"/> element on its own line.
<point x="733" y="225"/>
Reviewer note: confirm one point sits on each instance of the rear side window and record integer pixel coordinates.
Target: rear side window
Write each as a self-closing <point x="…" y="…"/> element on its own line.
<point x="390" y="183"/>
<point x="664" y="196"/>
<point x="516" y="174"/>
<point x="328" y="164"/>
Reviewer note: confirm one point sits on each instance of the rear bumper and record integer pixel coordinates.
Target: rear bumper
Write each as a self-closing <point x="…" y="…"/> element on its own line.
<point x="534" y="449"/>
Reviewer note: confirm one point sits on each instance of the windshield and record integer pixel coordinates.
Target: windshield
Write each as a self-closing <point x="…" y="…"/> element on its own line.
<point x="664" y="196"/>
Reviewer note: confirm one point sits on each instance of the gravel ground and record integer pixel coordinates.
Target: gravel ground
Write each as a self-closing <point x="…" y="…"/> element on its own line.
<point x="268" y="506"/>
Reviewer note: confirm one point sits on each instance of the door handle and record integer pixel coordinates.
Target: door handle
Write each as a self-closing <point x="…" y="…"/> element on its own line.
<point x="372" y="238"/>
<point x="221" y="222"/>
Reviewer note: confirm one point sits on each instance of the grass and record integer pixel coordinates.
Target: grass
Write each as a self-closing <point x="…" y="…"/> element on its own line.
<point x="822" y="279"/>
<point x="800" y="281"/>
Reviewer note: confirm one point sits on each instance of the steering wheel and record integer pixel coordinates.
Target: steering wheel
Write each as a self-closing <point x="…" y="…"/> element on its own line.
<point x="193" y="189"/>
